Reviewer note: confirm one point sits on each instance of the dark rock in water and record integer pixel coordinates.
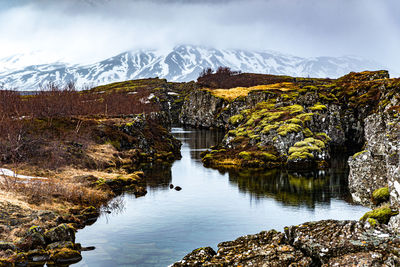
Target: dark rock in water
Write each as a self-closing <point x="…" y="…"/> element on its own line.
<point x="171" y="186"/>
<point x="65" y="256"/>
<point x="61" y="244"/>
<point x="37" y="255"/>
<point x="140" y="191"/>
<point x="88" y="248"/>
<point x="178" y="188"/>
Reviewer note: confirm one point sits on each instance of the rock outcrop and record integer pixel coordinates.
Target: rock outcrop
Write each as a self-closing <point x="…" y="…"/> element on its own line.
<point x="378" y="165"/>
<point x="296" y="124"/>
<point x="322" y="243"/>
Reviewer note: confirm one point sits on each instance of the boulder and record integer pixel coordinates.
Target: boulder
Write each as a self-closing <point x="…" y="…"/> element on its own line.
<point x="62" y="232"/>
<point x="329" y="239"/>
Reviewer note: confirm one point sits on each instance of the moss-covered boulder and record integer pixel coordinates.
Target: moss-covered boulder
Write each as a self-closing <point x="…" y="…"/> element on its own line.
<point x="65" y="256"/>
<point x="62" y="232"/>
<point x="380" y="195"/>
<point x="381" y="214"/>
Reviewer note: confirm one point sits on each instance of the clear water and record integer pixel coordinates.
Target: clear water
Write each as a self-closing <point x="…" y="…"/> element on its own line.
<point x="165" y="225"/>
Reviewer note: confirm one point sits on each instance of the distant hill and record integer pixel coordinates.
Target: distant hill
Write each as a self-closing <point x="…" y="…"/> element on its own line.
<point x="182" y="63"/>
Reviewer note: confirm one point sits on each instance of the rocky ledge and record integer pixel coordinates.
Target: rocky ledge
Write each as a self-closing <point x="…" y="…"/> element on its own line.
<point x="322" y="243"/>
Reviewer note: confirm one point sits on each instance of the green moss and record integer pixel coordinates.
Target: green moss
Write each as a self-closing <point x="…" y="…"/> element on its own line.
<point x="318" y="107"/>
<point x="359" y="153"/>
<point x="293" y="109"/>
<point x="236" y="119"/>
<point x="269" y="128"/>
<point x="266" y="105"/>
<point x="245" y="155"/>
<point x="310" y="88"/>
<point x="305" y="116"/>
<point x="295" y="120"/>
<point x="268" y="156"/>
<point x="300" y="155"/>
<point x="305" y="148"/>
<point x="284" y="129"/>
<point x="380" y="195"/>
<point x="382" y="214"/>
<point x="307" y="132"/>
<point x="323" y="136"/>
<point x="372" y="222"/>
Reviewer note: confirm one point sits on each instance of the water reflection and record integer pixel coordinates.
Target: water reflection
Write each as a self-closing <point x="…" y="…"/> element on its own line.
<point x="165" y="225"/>
<point x="290" y="188"/>
<point x="293" y="189"/>
<point x="158" y="177"/>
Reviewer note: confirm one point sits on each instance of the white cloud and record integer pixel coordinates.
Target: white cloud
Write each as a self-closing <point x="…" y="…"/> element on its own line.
<point x="87" y="31"/>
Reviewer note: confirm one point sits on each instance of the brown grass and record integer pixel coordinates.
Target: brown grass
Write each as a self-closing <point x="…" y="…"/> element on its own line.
<point x="233" y="93"/>
<point x="52" y="192"/>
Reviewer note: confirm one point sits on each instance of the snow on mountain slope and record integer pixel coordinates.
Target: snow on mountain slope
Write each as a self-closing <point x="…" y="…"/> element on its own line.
<point x="183" y="63"/>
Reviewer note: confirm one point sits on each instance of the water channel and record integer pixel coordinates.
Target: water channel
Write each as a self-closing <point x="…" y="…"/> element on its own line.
<point x="165" y="225"/>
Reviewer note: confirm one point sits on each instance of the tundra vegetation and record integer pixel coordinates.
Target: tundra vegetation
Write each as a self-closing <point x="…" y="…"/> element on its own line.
<point x="80" y="149"/>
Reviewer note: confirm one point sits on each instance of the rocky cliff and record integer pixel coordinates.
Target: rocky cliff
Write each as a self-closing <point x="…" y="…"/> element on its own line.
<point x="297" y="125"/>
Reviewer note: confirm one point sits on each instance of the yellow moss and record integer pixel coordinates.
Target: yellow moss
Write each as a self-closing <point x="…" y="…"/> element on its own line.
<point x="324" y="136"/>
<point x="359" y="153"/>
<point x="305" y="116"/>
<point x="295" y="120"/>
<point x="284" y="129"/>
<point x="293" y="109"/>
<point x="302" y="149"/>
<point x="245" y="155"/>
<point x="307" y="132"/>
<point x="268" y="156"/>
<point x="382" y="214"/>
<point x="269" y="128"/>
<point x="236" y="119"/>
<point x="300" y="155"/>
<point x="381" y="195"/>
<point x="318" y="107"/>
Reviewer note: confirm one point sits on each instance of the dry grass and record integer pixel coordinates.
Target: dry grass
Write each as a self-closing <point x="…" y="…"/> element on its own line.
<point x="233" y="93"/>
<point x="53" y="192"/>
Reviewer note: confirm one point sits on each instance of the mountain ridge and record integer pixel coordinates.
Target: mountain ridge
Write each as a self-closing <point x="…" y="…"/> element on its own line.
<point x="182" y="63"/>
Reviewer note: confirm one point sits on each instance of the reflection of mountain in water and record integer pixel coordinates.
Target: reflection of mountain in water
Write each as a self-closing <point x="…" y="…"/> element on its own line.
<point x="293" y="189"/>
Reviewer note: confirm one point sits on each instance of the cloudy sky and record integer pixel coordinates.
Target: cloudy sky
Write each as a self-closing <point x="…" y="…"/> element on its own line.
<point x="84" y="31"/>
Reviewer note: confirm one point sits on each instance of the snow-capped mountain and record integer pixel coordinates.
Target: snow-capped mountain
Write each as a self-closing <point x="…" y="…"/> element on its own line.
<point x="182" y="63"/>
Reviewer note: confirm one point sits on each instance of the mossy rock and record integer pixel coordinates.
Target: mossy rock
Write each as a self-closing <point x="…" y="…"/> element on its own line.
<point x="62" y="232"/>
<point x="245" y="155"/>
<point x="382" y="214"/>
<point x="65" y="255"/>
<point x="380" y="195"/>
<point x="236" y="119"/>
<point x="285" y="129"/>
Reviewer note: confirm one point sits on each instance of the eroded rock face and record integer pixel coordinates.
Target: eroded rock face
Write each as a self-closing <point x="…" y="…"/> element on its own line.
<point x="367" y="173"/>
<point x="322" y="243"/>
<point x="378" y="165"/>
